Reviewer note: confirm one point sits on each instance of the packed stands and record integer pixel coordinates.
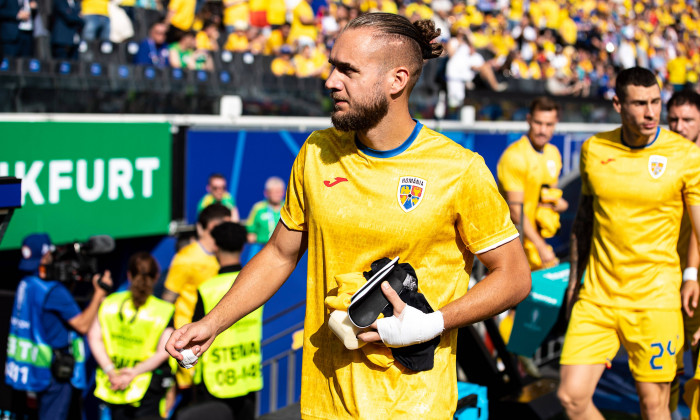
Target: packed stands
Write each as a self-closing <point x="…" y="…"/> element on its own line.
<point x="274" y="54"/>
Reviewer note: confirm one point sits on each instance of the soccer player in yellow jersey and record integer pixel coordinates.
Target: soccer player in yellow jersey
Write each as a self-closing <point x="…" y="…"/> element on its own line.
<point x="381" y="184"/>
<point x="635" y="181"/>
<point x="525" y="168"/>
<point x="684" y="119"/>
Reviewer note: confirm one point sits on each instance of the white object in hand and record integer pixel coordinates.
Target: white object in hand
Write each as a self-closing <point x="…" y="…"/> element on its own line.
<point x="188" y="359"/>
<point x="343" y="328"/>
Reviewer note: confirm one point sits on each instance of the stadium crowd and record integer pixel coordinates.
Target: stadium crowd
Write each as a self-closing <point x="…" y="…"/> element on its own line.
<point x="575" y="47"/>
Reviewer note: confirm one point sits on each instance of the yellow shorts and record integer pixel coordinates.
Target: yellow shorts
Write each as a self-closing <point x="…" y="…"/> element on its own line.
<point x="651" y="338"/>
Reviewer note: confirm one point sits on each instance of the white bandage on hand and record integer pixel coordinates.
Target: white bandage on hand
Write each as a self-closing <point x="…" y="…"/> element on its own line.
<point x="690" y="274"/>
<point x="411" y="327"/>
<point x="189" y="359"/>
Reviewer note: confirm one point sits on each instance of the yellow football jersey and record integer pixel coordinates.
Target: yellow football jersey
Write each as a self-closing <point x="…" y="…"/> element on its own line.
<point x="521" y="168"/>
<point x="432" y="203"/>
<point x="191" y="267"/>
<point x="638" y="196"/>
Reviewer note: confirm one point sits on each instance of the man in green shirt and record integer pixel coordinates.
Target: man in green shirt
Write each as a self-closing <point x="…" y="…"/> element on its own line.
<point x="265" y="214"/>
<point x="217" y="193"/>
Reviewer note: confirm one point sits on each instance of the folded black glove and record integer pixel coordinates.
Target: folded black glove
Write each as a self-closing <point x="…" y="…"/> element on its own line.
<point x="403" y="279"/>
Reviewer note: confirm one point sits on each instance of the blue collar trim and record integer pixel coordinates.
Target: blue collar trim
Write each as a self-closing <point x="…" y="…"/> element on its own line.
<point x="393" y="152"/>
<point x="622" y="138"/>
<point x="204" y="249"/>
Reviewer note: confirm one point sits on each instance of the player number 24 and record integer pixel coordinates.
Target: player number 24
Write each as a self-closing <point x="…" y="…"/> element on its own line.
<point x="660" y="349"/>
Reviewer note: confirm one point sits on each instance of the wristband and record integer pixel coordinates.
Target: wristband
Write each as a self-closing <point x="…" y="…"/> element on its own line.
<point x="690" y="274"/>
<point x="411" y="327"/>
<point x="108" y="368"/>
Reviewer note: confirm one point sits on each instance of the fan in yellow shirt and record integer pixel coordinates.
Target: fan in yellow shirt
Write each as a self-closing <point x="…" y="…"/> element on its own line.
<point x="635" y="182"/>
<point x="283" y="65"/>
<point x="310" y="62"/>
<point x="193" y="265"/>
<point x="525" y="168"/>
<point x="235" y="11"/>
<point x="303" y="22"/>
<point x="380" y="184"/>
<point x="237" y="40"/>
<point x="208" y="38"/>
<point x="277" y="38"/>
<point x="181" y="14"/>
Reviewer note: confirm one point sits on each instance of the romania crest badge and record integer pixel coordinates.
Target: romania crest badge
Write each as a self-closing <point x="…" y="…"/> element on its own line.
<point x="657" y="165"/>
<point x="411" y="192"/>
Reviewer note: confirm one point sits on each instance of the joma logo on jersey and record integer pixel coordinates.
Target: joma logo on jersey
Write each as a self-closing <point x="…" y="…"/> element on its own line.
<point x="411" y="192"/>
<point x="657" y="165"/>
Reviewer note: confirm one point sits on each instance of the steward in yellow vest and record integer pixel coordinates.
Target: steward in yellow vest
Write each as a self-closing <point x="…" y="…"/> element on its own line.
<point x="127" y="340"/>
<point x="230" y="370"/>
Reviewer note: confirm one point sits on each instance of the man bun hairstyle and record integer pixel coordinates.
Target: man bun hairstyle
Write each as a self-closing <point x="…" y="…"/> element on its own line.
<point x="428" y="33"/>
<point x="413" y="41"/>
<point x="423" y="32"/>
<point x="144" y="272"/>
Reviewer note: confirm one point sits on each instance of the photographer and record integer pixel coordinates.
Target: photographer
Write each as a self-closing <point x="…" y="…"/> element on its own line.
<point x="45" y="353"/>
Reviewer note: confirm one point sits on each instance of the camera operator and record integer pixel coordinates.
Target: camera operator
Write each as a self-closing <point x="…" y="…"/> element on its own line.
<point x="45" y="353"/>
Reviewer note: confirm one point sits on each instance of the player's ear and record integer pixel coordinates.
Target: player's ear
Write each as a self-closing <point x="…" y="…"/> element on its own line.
<point x="400" y="77"/>
<point x="616" y="104"/>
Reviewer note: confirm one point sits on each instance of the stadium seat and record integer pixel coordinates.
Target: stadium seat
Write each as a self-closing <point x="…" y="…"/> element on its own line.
<point x="68" y="75"/>
<point x="126" y="51"/>
<point x="8" y="66"/>
<point x="248" y="75"/>
<point x="228" y="72"/>
<point x="36" y="73"/>
<point x="122" y="76"/>
<point x="177" y="79"/>
<point x="101" y="51"/>
<point x="205" y="81"/>
<point x="151" y="78"/>
<point x="225" y="80"/>
<point x="9" y="69"/>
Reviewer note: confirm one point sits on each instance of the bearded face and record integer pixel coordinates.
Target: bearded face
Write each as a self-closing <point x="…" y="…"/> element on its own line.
<point x="360" y="114"/>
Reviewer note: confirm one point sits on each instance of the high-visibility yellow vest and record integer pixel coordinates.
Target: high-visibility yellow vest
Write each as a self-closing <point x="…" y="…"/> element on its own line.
<point x="130" y="336"/>
<point x="231" y="366"/>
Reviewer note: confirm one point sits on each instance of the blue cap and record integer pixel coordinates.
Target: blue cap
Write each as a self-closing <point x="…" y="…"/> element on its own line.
<point x="34" y="247"/>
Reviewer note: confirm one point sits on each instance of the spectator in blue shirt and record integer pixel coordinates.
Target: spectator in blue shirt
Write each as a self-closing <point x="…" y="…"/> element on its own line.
<point x="153" y="51"/>
<point x="45" y="353"/>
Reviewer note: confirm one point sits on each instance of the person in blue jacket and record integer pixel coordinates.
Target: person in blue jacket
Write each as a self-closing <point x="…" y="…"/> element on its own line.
<point x="45" y="351"/>
<point x="66" y="26"/>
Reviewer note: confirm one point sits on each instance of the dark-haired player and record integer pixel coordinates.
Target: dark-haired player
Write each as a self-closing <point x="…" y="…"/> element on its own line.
<point x="635" y="181"/>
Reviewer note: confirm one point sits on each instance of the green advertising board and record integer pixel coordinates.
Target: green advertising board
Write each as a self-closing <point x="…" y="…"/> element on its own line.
<point x="84" y="179"/>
